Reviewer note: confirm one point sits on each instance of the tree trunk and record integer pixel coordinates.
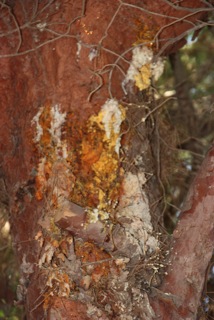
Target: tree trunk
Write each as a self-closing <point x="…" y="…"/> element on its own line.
<point x="77" y="160"/>
<point x="192" y="248"/>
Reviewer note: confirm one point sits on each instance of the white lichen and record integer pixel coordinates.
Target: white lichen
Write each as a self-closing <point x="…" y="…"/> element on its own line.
<point x="58" y="119"/>
<point x="39" y="130"/>
<point x="140" y="57"/>
<point x="141" y="68"/>
<point x="117" y="145"/>
<point x="157" y="68"/>
<point x="112" y="119"/>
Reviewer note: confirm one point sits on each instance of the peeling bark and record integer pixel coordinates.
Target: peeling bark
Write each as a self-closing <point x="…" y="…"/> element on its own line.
<point x="81" y="219"/>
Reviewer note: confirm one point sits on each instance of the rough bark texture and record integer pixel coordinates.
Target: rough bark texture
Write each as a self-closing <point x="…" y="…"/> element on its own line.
<point x="81" y="222"/>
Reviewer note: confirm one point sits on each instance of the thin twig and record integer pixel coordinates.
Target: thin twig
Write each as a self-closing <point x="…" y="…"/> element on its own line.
<point x="155" y="109"/>
<point x="16" y="24"/>
<point x="180" y="37"/>
<point x="32" y="24"/>
<point x="184" y="19"/>
<point x="109" y="25"/>
<point x="98" y="87"/>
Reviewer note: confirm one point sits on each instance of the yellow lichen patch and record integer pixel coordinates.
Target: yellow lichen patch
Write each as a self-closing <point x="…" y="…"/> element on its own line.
<point x="100" y="151"/>
<point x="106" y="168"/>
<point x="143" y="78"/>
<point x="95" y="158"/>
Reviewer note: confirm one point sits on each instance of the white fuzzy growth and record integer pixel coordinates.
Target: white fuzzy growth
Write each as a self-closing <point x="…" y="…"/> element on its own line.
<point x="112" y="119"/>
<point x="58" y="119"/>
<point x="117" y="145"/>
<point x="39" y="130"/>
<point x="140" y="57"/>
<point x="157" y="69"/>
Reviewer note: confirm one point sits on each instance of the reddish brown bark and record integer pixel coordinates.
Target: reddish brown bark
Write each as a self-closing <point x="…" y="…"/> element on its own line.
<point x="180" y="293"/>
<point x="35" y="74"/>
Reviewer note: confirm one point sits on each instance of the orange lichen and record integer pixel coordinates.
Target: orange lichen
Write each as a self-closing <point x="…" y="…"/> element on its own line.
<point x="89" y="253"/>
<point x="92" y="148"/>
<point x="45" y="123"/>
<point x="94" y="160"/>
<point x="90" y="154"/>
<point x="145" y="33"/>
<point x="104" y="166"/>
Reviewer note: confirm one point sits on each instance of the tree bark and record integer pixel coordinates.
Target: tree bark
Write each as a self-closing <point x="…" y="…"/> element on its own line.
<point x="80" y="211"/>
<point x="179" y="295"/>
